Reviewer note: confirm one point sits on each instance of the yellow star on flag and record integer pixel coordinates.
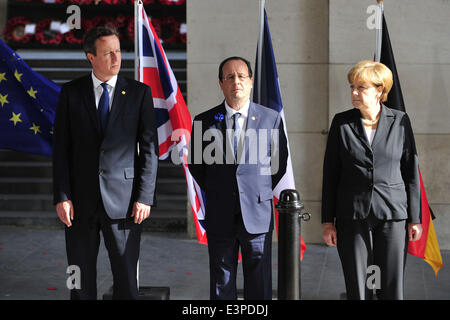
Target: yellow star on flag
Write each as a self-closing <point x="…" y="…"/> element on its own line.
<point x="32" y="92"/>
<point x="2" y="76"/>
<point x="15" y="118"/>
<point x="35" y="128"/>
<point x="16" y="56"/>
<point x="18" y="75"/>
<point x="3" y="99"/>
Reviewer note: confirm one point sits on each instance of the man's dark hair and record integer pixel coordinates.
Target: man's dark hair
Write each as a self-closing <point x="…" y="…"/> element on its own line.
<point x="249" y="67"/>
<point x="92" y="35"/>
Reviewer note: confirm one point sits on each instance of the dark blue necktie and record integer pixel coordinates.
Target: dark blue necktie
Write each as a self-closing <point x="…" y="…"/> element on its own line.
<point x="103" y="107"/>
<point x="236" y="133"/>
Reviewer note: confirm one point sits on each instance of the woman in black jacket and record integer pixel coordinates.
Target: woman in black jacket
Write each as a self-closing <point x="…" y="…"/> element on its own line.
<point x="371" y="190"/>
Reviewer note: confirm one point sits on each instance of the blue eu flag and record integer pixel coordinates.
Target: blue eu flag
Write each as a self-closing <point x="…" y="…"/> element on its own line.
<point x="27" y="106"/>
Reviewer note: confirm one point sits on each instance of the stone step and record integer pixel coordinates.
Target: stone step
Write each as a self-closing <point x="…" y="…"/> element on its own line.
<point x="72" y="73"/>
<point x="29" y="169"/>
<point x="43" y="169"/>
<point x="26" y="185"/>
<point x="158" y="221"/>
<point x="39" y="185"/>
<point x="9" y="156"/>
<point x="44" y="202"/>
<point x="77" y="58"/>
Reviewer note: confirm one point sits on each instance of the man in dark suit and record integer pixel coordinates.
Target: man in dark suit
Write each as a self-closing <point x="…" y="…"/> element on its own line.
<point x="105" y="159"/>
<point x="237" y="171"/>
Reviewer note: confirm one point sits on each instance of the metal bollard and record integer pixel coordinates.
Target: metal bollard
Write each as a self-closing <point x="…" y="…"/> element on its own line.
<point x="289" y="230"/>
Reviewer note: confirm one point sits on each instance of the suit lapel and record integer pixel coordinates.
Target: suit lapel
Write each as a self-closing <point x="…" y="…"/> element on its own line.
<point x="384" y="125"/>
<point x="89" y="102"/>
<point x="219" y="122"/>
<point x="358" y="128"/>
<point x="253" y="118"/>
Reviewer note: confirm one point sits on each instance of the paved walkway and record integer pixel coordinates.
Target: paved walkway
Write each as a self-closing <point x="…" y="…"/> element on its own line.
<point x="33" y="267"/>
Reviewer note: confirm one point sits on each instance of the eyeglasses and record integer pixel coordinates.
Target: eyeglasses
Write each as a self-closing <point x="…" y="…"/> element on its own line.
<point x="232" y="77"/>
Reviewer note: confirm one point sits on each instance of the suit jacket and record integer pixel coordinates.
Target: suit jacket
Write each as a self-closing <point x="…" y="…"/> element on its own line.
<point x="245" y="186"/>
<point x="384" y="175"/>
<point x="121" y="166"/>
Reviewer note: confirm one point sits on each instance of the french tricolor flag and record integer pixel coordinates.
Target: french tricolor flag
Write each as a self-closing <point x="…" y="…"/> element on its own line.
<point x="266" y="91"/>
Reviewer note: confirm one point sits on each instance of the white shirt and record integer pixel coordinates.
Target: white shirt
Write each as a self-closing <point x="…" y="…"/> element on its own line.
<point x="370" y="133"/>
<point x="98" y="89"/>
<point x="242" y="120"/>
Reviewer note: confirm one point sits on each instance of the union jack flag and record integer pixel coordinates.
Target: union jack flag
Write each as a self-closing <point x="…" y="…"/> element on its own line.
<point x="172" y="116"/>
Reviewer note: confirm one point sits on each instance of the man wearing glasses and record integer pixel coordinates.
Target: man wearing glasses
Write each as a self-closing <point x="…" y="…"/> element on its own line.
<point x="238" y="186"/>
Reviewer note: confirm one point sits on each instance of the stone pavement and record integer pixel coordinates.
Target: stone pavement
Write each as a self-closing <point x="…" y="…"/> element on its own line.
<point x="33" y="267"/>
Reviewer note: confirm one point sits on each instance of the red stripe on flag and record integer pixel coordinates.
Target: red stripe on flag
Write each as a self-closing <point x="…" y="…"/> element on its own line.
<point x="427" y="246"/>
<point x="165" y="146"/>
<point x="151" y="78"/>
<point x="180" y="117"/>
<point x="418" y="247"/>
<point x="201" y="237"/>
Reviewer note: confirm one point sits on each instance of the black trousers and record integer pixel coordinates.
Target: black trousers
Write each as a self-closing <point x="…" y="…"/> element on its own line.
<point x="377" y="243"/>
<point x="122" y="240"/>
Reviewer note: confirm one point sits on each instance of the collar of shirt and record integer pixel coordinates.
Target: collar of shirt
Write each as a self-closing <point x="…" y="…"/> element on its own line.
<point x="98" y="89"/>
<point x="243" y="111"/>
<point x="97" y="83"/>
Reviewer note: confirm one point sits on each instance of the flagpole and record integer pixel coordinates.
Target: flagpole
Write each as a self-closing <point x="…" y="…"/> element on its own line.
<point x="379" y="30"/>
<point x="259" y="48"/>
<point x="137" y="3"/>
<point x="136" y="38"/>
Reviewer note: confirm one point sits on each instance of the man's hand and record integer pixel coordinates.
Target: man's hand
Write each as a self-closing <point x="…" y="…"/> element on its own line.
<point x="140" y="212"/>
<point x="414" y="231"/>
<point x="329" y="233"/>
<point x="64" y="209"/>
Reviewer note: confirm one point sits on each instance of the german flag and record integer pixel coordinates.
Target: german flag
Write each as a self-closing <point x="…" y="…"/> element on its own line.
<point x="427" y="246"/>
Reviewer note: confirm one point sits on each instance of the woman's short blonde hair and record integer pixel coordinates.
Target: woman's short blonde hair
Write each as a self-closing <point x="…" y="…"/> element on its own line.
<point x="372" y="72"/>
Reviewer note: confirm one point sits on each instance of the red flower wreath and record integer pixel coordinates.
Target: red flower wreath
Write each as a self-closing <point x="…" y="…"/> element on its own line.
<point x="117" y="23"/>
<point x="44" y="36"/>
<point x="81" y="1"/>
<point x="172" y="2"/>
<point x="167" y="28"/>
<point x="130" y="29"/>
<point x="76" y="36"/>
<point x="15" y="30"/>
<point x="114" y="1"/>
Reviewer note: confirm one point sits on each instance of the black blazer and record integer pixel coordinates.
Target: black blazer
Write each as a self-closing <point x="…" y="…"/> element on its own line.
<point x="384" y="175"/>
<point x="87" y="165"/>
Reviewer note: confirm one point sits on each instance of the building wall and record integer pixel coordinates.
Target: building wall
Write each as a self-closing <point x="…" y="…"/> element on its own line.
<point x="315" y="44"/>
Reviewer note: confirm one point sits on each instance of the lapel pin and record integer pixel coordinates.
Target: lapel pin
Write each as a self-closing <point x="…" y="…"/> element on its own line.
<point x="123" y="92"/>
